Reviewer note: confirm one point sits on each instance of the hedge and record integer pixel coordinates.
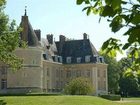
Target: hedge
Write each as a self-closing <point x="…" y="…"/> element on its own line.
<point x="111" y="97"/>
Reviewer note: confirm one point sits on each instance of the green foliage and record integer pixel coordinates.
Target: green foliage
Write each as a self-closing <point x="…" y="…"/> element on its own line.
<point x="111" y="97"/>
<point x="9" y="40"/>
<point x="110" y="46"/>
<point x="2" y="102"/>
<point x="129" y="77"/>
<point x="79" y="86"/>
<point x="120" y="14"/>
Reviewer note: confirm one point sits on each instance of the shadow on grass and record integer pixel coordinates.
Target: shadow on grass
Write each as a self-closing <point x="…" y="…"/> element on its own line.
<point x="47" y="94"/>
<point x="2" y="102"/>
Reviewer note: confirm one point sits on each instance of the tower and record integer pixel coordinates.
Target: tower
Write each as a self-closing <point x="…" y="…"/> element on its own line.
<point x="28" y="35"/>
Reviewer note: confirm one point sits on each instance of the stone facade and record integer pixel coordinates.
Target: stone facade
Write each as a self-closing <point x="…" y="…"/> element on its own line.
<point x="48" y="66"/>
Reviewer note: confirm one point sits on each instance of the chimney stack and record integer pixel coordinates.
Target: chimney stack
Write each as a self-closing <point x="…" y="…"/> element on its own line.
<point x="62" y="38"/>
<point x="85" y="36"/>
<point x="50" y="38"/>
<point x="38" y="34"/>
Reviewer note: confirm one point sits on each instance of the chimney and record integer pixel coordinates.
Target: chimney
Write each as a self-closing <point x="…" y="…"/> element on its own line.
<point x="50" y="38"/>
<point x="62" y="38"/>
<point x="38" y="34"/>
<point x="85" y="36"/>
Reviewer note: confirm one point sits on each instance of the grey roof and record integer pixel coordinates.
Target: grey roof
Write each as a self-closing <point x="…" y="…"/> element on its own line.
<point x="28" y="33"/>
<point x="77" y="48"/>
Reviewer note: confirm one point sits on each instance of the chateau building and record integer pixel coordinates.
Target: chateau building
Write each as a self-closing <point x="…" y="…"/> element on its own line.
<point x="49" y="65"/>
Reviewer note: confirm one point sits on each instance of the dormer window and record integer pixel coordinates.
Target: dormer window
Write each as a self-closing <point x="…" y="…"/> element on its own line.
<point x="60" y="59"/>
<point x="79" y="60"/>
<point x="56" y="58"/>
<point x="68" y="59"/>
<point x="44" y="56"/>
<point x="87" y="58"/>
<point x="101" y="59"/>
<point x="97" y="58"/>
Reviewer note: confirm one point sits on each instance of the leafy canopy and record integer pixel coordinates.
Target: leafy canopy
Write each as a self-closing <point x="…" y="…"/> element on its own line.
<point x="120" y="14"/>
<point x="9" y="40"/>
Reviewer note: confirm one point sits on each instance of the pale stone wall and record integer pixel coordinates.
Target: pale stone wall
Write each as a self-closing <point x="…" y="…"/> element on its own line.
<point x="56" y="75"/>
<point x="26" y="77"/>
<point x="31" y="56"/>
<point x="82" y="70"/>
<point x="102" y="78"/>
<point x="30" y="75"/>
<point x="52" y="72"/>
<point x="52" y="76"/>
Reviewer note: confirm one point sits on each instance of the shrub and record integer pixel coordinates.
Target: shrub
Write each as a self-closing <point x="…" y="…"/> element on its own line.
<point x="111" y="97"/>
<point x="79" y="86"/>
<point x="2" y="102"/>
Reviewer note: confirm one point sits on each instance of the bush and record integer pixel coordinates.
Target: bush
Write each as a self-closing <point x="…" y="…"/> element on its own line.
<point x="111" y="97"/>
<point x="79" y="86"/>
<point x="2" y="102"/>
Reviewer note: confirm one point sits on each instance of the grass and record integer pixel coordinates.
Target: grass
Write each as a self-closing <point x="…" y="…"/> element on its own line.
<point x="61" y="100"/>
<point x="132" y="98"/>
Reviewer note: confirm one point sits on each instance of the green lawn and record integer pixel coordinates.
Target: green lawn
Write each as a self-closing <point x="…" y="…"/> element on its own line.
<point x="61" y="100"/>
<point x="132" y="98"/>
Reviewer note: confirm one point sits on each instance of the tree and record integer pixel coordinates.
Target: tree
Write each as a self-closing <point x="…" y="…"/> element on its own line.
<point x="79" y="86"/>
<point x="120" y="14"/>
<point x="129" y="80"/>
<point x="9" y="40"/>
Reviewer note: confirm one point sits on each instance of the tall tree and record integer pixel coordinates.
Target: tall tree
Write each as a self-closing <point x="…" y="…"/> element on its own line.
<point x="120" y="14"/>
<point x="129" y="80"/>
<point x="9" y="39"/>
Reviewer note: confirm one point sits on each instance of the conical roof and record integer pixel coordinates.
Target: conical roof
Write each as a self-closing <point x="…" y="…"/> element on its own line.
<point x="28" y="35"/>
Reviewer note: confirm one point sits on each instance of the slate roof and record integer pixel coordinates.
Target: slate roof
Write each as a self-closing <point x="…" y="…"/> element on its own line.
<point x="77" y="48"/>
<point x="28" y="33"/>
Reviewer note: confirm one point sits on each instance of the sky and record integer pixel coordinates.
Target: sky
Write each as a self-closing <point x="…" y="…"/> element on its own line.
<point x="61" y="17"/>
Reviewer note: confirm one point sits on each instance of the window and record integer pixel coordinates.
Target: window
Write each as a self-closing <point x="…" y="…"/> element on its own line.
<point x="61" y="84"/>
<point x="57" y="84"/>
<point x="68" y="73"/>
<point x="68" y="59"/>
<point x="48" y="83"/>
<point x="99" y="85"/>
<point x="78" y="73"/>
<point x="33" y="61"/>
<point x="87" y="58"/>
<point x="24" y="75"/>
<point x="60" y="59"/>
<point x="3" y="83"/>
<point x="98" y="73"/>
<point x="61" y="73"/>
<point x="101" y="59"/>
<point x="79" y="60"/>
<point x="3" y="71"/>
<point x="56" y="58"/>
<point x="104" y="73"/>
<point x="44" y="56"/>
<point x="104" y="85"/>
<point x="57" y="73"/>
<point x="88" y="73"/>
<point x="48" y="72"/>
<point x="97" y="58"/>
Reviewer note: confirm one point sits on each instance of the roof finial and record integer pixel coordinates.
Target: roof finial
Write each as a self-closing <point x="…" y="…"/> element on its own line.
<point x="25" y="11"/>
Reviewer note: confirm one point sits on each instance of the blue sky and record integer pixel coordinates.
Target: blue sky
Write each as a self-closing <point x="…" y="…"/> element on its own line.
<point x="61" y="17"/>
